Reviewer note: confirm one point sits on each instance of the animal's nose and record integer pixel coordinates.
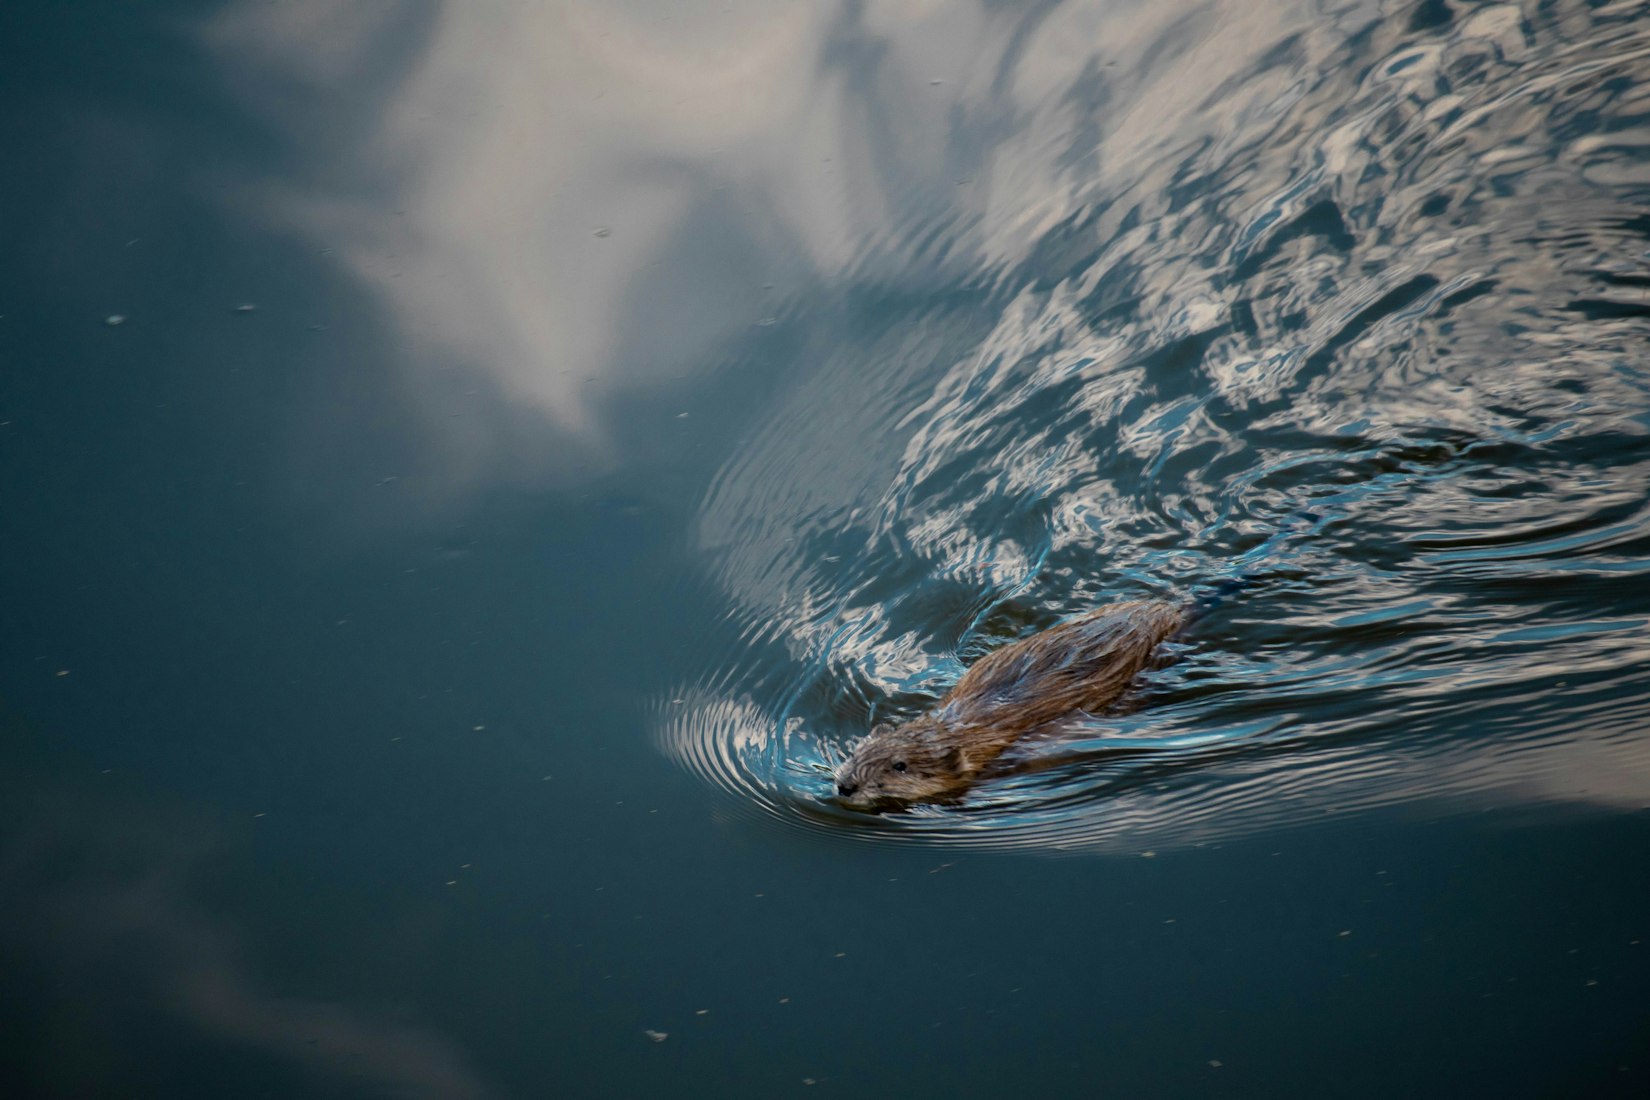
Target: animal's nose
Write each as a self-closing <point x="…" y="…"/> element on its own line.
<point x="846" y="788"/>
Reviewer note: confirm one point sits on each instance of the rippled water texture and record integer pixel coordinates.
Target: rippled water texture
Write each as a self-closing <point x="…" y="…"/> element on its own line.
<point x="1040" y="307"/>
<point x="1349" y="303"/>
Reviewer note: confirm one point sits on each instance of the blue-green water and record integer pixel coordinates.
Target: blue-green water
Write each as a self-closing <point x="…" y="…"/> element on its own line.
<point x="467" y="471"/>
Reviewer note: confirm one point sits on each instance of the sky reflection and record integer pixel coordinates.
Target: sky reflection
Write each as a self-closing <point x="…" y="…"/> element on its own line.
<point x="106" y="891"/>
<point x="574" y="199"/>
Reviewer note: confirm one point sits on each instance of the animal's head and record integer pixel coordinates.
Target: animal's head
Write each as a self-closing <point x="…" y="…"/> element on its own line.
<point x="896" y="765"/>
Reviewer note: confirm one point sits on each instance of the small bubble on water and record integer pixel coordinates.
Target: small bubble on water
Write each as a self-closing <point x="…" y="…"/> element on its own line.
<point x="246" y="307"/>
<point x="115" y="319"/>
<point x="656" y="1036"/>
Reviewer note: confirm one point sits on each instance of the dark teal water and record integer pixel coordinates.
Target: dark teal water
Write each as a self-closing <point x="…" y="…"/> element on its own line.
<point x="468" y="471"/>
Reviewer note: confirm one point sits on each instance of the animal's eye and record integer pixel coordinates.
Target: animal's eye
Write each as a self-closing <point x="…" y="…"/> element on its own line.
<point x="899" y="765"/>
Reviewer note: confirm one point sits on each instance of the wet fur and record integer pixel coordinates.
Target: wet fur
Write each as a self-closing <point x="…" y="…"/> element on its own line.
<point x="1080" y="666"/>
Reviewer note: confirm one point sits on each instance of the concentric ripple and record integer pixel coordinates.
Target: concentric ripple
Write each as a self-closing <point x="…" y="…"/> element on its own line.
<point x="1366" y="333"/>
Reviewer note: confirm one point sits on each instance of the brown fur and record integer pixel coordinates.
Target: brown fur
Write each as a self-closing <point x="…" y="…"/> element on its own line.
<point x="1082" y="665"/>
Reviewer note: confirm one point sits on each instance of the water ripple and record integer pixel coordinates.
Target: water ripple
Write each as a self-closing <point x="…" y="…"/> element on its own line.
<point x="1367" y="333"/>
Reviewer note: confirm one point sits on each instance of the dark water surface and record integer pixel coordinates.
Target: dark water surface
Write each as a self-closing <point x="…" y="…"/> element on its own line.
<point x="468" y="471"/>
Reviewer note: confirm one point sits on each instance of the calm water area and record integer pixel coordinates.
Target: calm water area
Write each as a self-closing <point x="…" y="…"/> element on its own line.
<point x="470" y="471"/>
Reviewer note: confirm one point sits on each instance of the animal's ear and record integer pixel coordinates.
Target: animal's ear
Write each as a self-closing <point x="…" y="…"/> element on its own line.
<point x="953" y="759"/>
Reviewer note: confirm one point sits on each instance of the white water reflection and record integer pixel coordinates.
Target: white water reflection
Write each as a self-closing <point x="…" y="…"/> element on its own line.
<point x="515" y="200"/>
<point x="577" y="198"/>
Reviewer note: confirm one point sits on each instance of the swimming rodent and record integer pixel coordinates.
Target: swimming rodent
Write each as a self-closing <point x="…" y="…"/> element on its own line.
<point x="1031" y="685"/>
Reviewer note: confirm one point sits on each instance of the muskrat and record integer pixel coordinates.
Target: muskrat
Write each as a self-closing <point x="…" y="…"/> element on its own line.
<point x="1079" y="666"/>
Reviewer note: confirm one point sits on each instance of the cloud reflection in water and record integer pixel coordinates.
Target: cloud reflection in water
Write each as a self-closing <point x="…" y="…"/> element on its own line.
<point x="105" y="894"/>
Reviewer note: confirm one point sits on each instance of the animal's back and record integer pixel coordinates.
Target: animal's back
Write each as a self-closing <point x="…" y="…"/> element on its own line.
<point x="1082" y="665"/>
